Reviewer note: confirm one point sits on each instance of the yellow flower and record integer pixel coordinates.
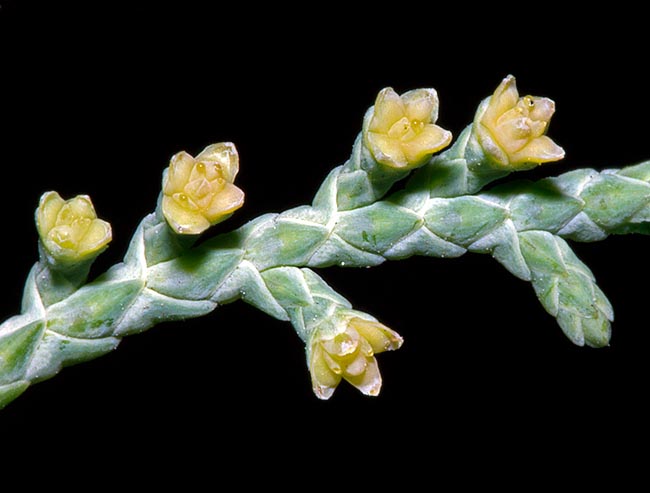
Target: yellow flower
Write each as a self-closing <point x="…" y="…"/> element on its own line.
<point x="69" y="229"/>
<point x="199" y="192"/>
<point x="511" y="129"/>
<point x="400" y="131"/>
<point x="349" y="353"/>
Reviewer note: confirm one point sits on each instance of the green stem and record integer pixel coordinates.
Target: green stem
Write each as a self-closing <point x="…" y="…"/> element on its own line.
<point x="511" y="222"/>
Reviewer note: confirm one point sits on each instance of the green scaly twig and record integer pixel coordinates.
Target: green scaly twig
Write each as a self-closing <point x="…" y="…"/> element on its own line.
<point x="442" y="211"/>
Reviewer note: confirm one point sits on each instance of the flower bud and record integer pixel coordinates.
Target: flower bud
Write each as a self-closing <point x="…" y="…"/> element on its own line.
<point x="348" y="352"/>
<point x="400" y="131"/>
<point x="199" y="192"/>
<point x="69" y="229"/>
<point x="511" y="129"/>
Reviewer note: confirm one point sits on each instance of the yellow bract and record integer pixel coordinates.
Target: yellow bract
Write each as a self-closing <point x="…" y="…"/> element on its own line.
<point x="511" y="129"/>
<point x="349" y="354"/>
<point x="199" y="192"/>
<point x="69" y="229"/>
<point x="400" y="131"/>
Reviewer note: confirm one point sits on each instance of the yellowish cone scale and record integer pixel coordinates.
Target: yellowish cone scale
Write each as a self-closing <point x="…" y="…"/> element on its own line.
<point x="199" y="192"/>
<point x="69" y="229"/>
<point x="511" y="129"/>
<point x="400" y="132"/>
<point x="349" y="354"/>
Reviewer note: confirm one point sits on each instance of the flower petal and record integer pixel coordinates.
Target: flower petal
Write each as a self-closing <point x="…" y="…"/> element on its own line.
<point x="180" y="169"/>
<point x="386" y="150"/>
<point x="490" y="145"/>
<point x="369" y="382"/>
<point x="223" y="154"/>
<point x="380" y="337"/>
<point x="421" y="105"/>
<point x="504" y="98"/>
<point x="323" y="379"/>
<point x="182" y="220"/>
<point x="357" y="366"/>
<point x="513" y="133"/>
<point x="539" y="150"/>
<point x="542" y="110"/>
<point x="97" y="236"/>
<point x="67" y="215"/>
<point x="537" y="128"/>
<point x="226" y="201"/>
<point x="80" y="206"/>
<point x="332" y="363"/>
<point x="431" y="139"/>
<point x="48" y="211"/>
<point x="389" y="108"/>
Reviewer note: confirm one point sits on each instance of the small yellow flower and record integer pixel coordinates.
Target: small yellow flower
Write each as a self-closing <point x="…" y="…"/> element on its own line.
<point x="69" y="229"/>
<point x="349" y="353"/>
<point x="199" y="192"/>
<point x="400" y="132"/>
<point x="511" y="129"/>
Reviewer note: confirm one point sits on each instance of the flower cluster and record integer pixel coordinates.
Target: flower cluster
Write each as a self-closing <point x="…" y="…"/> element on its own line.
<point x="199" y="192"/>
<point x="348" y="352"/>
<point x="400" y="131"/>
<point x="511" y="129"/>
<point x="69" y="229"/>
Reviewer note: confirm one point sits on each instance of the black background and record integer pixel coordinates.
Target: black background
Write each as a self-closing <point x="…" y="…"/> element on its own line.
<point x="95" y="98"/>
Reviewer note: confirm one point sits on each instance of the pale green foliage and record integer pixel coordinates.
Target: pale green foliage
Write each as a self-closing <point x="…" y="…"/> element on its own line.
<point x="442" y="211"/>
